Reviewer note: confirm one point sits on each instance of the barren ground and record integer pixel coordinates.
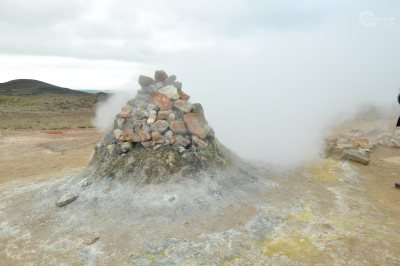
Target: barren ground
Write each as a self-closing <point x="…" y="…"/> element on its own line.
<point x="328" y="213"/>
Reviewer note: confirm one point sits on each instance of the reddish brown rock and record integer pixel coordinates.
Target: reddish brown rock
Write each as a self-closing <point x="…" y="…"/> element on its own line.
<point x="182" y="105"/>
<point x="144" y="135"/>
<point x="178" y="127"/>
<point x="128" y="136"/>
<point x="161" y="100"/>
<point x="182" y="141"/>
<point x="163" y="115"/>
<point x="202" y="144"/>
<point x="157" y="137"/>
<point x="184" y="96"/>
<point x="197" y="124"/>
<point x="126" y="111"/>
<point x="160" y="76"/>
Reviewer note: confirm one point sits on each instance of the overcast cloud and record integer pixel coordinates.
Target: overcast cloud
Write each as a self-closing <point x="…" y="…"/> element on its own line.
<point x="271" y="74"/>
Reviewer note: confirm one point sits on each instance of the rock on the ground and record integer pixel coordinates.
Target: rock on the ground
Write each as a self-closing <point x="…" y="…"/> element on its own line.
<point x="356" y="156"/>
<point x="66" y="199"/>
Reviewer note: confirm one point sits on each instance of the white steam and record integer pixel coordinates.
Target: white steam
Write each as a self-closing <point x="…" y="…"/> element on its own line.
<point x="107" y="110"/>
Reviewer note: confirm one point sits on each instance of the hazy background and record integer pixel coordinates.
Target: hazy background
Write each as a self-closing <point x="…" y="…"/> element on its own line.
<point x="271" y="75"/>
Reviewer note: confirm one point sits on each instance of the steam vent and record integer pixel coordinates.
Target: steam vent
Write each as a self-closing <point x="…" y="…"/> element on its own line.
<point x="159" y="135"/>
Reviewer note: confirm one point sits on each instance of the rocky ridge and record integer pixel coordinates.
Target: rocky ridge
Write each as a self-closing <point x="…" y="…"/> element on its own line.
<point x="157" y="134"/>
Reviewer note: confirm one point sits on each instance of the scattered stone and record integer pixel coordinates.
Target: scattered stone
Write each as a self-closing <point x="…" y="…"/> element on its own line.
<point x="201" y="143"/>
<point x="160" y="76"/>
<point x="66" y="199"/>
<point x="356" y="156"/>
<point x="197" y="108"/>
<point x="178" y="127"/>
<point x="117" y="133"/>
<point x="182" y="141"/>
<point x="183" y="106"/>
<point x="91" y="241"/>
<point x="170" y="91"/>
<point x="152" y="117"/>
<point x="197" y="124"/>
<point x="160" y="126"/>
<point x="126" y="111"/>
<point x="126" y="146"/>
<point x="145" y="81"/>
<point x="161" y="100"/>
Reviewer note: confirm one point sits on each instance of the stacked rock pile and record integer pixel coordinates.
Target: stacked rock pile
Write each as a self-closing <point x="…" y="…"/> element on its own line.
<point x="158" y="133"/>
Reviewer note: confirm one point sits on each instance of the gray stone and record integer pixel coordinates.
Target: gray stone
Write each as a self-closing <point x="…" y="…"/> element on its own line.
<point x="182" y="141"/>
<point x="160" y="76"/>
<point x="197" y="108"/>
<point x="170" y="80"/>
<point x="178" y="85"/>
<point x="66" y="199"/>
<point x="126" y="146"/>
<point x="160" y="126"/>
<point x="183" y="106"/>
<point x="170" y="91"/>
<point x="356" y="156"/>
<point x="145" y="80"/>
<point x="152" y="107"/>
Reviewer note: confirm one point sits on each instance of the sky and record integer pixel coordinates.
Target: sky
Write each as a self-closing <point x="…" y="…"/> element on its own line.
<point x="272" y="75"/>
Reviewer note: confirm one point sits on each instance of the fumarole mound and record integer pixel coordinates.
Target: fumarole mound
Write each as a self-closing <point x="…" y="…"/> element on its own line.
<point x="158" y="136"/>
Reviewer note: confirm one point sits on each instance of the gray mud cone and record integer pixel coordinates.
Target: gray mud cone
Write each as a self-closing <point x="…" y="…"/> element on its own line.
<point x="159" y="134"/>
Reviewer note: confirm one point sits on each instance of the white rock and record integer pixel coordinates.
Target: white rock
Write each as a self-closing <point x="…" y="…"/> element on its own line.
<point x="126" y="146"/>
<point x="171" y="92"/>
<point x="66" y="199"/>
<point x="117" y="133"/>
<point x="152" y="117"/>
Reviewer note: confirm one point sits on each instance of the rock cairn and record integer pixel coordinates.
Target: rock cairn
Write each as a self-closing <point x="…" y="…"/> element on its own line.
<point x="158" y="133"/>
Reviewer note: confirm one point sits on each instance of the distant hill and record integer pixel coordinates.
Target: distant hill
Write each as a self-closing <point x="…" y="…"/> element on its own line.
<point x="33" y="87"/>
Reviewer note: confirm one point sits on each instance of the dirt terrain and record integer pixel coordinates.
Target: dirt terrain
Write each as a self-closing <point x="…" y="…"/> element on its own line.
<point x="330" y="212"/>
<point x="33" y="155"/>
